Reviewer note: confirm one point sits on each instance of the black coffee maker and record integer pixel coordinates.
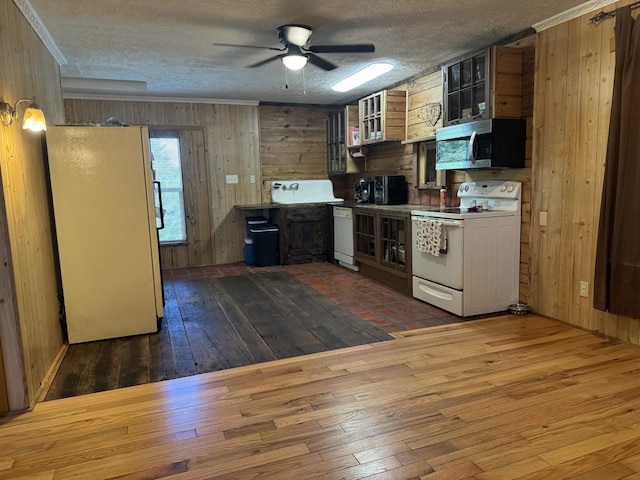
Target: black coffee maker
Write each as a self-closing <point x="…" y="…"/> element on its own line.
<point x="365" y="191"/>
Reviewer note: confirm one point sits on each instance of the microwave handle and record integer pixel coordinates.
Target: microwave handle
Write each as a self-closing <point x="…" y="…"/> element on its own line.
<point x="472" y="147"/>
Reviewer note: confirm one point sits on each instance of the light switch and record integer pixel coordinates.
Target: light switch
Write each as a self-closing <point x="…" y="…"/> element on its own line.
<point x="232" y="178"/>
<point x="543" y="218"/>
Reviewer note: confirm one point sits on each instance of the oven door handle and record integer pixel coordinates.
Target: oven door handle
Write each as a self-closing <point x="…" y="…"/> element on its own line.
<point x="445" y="223"/>
<point x="452" y="223"/>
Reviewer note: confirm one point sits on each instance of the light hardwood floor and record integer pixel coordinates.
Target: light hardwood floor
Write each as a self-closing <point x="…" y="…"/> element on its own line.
<point x="502" y="398"/>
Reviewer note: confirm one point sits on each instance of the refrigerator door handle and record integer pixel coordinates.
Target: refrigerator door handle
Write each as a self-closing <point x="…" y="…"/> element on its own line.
<point x="158" y="184"/>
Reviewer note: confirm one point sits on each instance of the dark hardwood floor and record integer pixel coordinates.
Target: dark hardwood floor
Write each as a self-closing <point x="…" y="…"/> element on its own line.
<point x="229" y="316"/>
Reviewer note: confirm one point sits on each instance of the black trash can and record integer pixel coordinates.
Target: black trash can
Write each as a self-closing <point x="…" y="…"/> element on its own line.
<point x="253" y="222"/>
<point x="266" y="245"/>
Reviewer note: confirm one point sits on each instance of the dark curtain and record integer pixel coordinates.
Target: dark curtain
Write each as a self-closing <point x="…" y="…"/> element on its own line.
<point x="617" y="269"/>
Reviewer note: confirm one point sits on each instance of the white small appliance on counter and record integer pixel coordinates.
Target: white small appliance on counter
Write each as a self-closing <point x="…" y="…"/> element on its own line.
<point x="466" y="259"/>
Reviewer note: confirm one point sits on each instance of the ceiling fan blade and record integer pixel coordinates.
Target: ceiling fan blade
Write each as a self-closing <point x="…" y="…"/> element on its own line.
<point x="319" y="62"/>
<point x="264" y="62"/>
<point x="248" y="46"/>
<point x="355" y="48"/>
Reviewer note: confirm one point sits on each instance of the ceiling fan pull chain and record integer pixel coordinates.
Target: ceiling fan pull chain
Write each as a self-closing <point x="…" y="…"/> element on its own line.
<point x="304" y="83"/>
<point x="286" y="77"/>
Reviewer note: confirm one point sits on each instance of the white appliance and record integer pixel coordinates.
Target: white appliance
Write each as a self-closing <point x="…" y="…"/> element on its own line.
<point x="477" y="269"/>
<point x="103" y="202"/>
<point x="343" y="237"/>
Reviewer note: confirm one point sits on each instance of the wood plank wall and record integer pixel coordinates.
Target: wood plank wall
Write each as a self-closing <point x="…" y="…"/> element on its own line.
<point x="30" y="329"/>
<point x="574" y="82"/>
<point x="227" y="144"/>
<point x="421" y="92"/>
<point x="293" y="144"/>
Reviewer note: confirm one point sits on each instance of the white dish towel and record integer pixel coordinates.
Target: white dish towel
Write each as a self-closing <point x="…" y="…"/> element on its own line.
<point x="430" y="236"/>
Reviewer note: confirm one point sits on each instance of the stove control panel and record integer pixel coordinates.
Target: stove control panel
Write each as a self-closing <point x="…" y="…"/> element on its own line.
<point x="490" y="189"/>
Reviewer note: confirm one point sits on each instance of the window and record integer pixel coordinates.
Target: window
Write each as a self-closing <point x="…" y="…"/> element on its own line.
<point x="167" y="164"/>
<point x="427" y="174"/>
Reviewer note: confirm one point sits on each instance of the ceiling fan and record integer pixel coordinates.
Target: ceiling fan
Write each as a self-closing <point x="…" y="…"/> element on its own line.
<point x="294" y="38"/>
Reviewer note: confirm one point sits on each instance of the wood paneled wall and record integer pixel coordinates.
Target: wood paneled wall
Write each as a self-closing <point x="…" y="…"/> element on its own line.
<point x="574" y="82"/>
<point x="423" y="91"/>
<point x="30" y="328"/>
<point x="293" y="144"/>
<point x="229" y="146"/>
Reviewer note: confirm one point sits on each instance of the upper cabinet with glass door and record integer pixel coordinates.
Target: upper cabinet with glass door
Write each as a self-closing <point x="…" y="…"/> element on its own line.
<point x="383" y="116"/>
<point x="344" y="150"/>
<point x="487" y="84"/>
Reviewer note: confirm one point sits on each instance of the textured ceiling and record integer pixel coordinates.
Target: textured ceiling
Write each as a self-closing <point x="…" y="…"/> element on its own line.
<point x="169" y="46"/>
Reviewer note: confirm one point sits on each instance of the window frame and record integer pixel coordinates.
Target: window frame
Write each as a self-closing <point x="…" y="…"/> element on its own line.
<point x="163" y="133"/>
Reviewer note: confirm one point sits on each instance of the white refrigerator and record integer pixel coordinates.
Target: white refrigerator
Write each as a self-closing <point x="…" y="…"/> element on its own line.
<point x="103" y="203"/>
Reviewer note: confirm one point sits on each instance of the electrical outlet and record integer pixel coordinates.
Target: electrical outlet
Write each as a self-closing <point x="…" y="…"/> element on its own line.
<point x="232" y="178"/>
<point x="584" y="289"/>
<point x="252" y="178"/>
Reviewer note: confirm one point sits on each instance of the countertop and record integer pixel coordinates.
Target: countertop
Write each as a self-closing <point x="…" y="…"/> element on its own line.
<point x="372" y="207"/>
<point x="402" y="209"/>
<point x="262" y="206"/>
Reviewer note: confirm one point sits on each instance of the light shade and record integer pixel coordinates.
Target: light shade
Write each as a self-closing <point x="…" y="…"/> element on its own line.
<point x="362" y="76"/>
<point x="294" y="62"/>
<point x="33" y="119"/>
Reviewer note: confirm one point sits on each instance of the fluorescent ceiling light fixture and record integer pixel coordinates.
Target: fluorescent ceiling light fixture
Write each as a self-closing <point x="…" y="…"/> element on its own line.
<point x="362" y="76"/>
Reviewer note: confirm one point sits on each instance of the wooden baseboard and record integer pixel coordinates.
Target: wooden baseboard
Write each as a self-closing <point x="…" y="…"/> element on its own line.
<point x="51" y="374"/>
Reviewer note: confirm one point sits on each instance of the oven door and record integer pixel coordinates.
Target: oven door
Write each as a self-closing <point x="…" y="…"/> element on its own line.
<point x="446" y="268"/>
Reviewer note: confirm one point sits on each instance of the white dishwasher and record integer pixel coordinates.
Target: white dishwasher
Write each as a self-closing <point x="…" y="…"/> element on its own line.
<point x="343" y="237"/>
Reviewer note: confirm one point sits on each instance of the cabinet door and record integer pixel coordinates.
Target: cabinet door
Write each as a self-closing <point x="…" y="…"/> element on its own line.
<point x="336" y="147"/>
<point x="466" y="89"/>
<point x="306" y="236"/>
<point x="393" y="237"/>
<point x="364" y="235"/>
<point x="372" y="118"/>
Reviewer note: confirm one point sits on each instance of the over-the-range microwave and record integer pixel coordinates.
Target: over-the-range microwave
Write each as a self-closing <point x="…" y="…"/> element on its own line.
<point x="492" y="143"/>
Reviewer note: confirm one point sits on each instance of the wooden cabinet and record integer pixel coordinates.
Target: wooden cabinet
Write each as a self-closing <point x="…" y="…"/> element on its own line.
<point x="383" y="116"/>
<point x="487" y="84"/>
<point x="380" y="245"/>
<point x="344" y="150"/>
<point x="336" y="145"/>
<point x="303" y="234"/>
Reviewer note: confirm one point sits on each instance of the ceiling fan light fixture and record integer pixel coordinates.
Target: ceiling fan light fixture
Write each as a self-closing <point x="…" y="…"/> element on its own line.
<point x="365" y="75"/>
<point x="294" y="62"/>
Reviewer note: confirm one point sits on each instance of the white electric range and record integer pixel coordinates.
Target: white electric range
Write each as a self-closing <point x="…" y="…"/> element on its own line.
<point x="476" y="267"/>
